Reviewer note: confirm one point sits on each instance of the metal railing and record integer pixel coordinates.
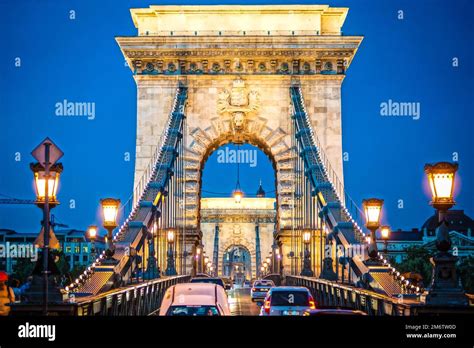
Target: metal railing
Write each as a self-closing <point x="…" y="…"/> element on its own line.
<point x="142" y="299"/>
<point x="330" y="294"/>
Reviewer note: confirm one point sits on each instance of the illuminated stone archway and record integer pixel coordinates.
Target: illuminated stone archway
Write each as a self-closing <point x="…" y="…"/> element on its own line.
<point x="238" y="63"/>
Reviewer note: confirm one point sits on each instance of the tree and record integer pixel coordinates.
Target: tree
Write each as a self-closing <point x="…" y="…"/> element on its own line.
<point x="418" y="261"/>
<point x="466" y="273"/>
<point x="23" y="269"/>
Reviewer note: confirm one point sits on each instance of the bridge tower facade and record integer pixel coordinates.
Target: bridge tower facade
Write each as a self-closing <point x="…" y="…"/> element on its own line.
<point x="238" y="63"/>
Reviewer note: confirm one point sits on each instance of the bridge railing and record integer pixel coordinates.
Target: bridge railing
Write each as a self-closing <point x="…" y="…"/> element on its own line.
<point x="141" y="299"/>
<point x="331" y="294"/>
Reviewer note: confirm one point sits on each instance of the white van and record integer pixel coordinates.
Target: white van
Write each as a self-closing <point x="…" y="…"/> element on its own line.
<point x="195" y="299"/>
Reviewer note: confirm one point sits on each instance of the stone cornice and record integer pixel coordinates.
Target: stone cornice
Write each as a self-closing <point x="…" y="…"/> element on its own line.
<point x="187" y="55"/>
<point x="239" y="41"/>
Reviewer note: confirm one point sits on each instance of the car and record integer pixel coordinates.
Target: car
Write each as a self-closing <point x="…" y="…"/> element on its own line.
<point x="217" y="281"/>
<point x="246" y="283"/>
<point x="287" y="300"/>
<point x="260" y="288"/>
<point x="228" y="284"/>
<point x="195" y="299"/>
<point x="332" y="311"/>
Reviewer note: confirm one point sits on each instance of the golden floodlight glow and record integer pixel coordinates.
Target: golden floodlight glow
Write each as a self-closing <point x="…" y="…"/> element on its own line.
<point x="372" y="209"/>
<point x="441" y="178"/>
<point x="110" y="207"/>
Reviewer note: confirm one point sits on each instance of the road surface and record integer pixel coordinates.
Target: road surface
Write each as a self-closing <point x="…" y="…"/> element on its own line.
<point x="240" y="302"/>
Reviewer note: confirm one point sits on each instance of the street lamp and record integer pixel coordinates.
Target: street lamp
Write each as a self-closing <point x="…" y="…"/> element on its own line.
<point x="110" y="207"/>
<point x="170" y="267"/>
<point x="92" y="234"/>
<point x="209" y="267"/>
<point x="152" y="271"/>
<point x="237" y="193"/>
<point x="42" y="184"/>
<point x="372" y="210"/>
<point x="445" y="287"/>
<point x="307" y="271"/>
<point x="385" y="233"/>
<point x="441" y="179"/>
<point x="46" y="180"/>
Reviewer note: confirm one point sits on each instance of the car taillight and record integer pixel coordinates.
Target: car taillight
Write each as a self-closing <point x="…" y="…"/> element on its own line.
<point x="266" y="306"/>
<point x="312" y="304"/>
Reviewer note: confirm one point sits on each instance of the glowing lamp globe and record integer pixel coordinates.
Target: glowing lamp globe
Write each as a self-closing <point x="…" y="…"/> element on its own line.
<point x="441" y="178"/>
<point x="372" y="210"/>
<point x="110" y="208"/>
<point x="40" y="182"/>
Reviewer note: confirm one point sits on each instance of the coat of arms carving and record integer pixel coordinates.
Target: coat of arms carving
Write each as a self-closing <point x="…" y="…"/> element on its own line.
<point x="240" y="104"/>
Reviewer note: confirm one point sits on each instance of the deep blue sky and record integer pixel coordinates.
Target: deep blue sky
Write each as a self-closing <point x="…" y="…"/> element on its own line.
<point x="405" y="60"/>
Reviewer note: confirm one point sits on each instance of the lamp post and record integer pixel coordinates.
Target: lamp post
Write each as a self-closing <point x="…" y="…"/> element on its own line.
<point x="209" y="268"/>
<point x="385" y="234"/>
<point x="372" y="209"/>
<point x="197" y="258"/>
<point x="152" y="271"/>
<point x="237" y="193"/>
<point x="92" y="234"/>
<point x="265" y="268"/>
<point x="46" y="179"/>
<point x="327" y="271"/>
<point x="170" y="267"/>
<point x="110" y="207"/>
<point x="307" y="271"/>
<point x="445" y="288"/>
<point x="277" y="259"/>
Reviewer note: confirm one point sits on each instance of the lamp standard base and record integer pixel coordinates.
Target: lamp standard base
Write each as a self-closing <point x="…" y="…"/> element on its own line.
<point x="33" y="300"/>
<point x="328" y="272"/>
<point x="151" y="271"/>
<point x="307" y="273"/>
<point x="445" y="287"/>
<point x="170" y="272"/>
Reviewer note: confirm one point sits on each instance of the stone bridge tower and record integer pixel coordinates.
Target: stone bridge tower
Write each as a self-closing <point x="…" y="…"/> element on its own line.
<point x="238" y="63"/>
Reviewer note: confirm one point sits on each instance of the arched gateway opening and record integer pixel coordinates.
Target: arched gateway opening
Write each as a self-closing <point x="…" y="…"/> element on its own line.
<point x="237" y="235"/>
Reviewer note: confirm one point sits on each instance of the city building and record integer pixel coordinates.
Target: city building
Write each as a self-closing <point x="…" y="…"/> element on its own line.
<point x="461" y="233"/>
<point x="75" y="244"/>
